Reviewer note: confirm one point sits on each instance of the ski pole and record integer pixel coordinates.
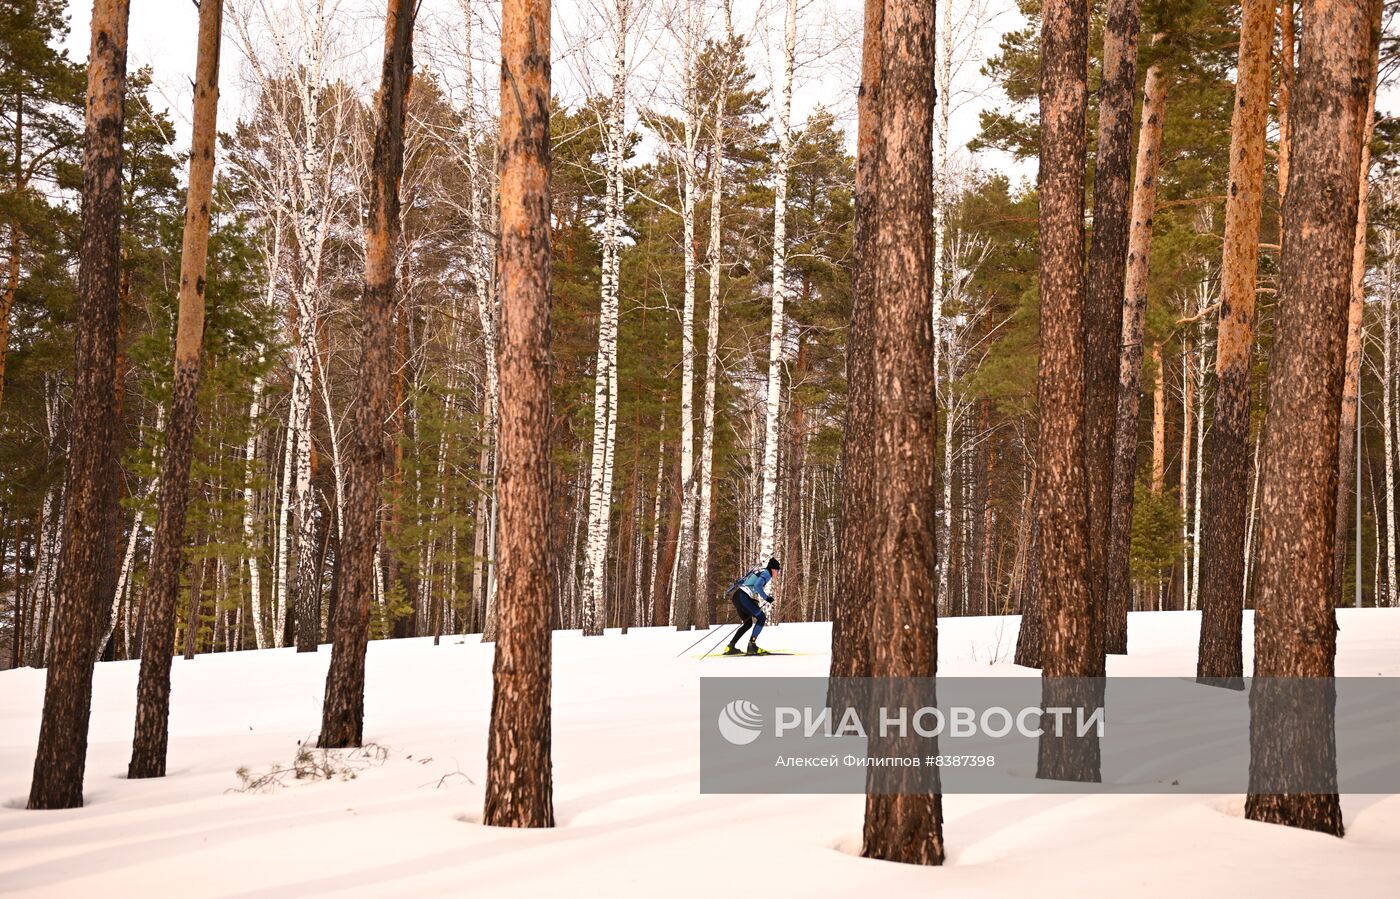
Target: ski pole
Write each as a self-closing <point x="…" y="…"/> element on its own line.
<point x="703" y="637"/>
<point x="711" y="647"/>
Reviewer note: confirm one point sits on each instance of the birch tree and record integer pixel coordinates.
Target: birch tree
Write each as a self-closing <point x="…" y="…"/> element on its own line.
<point x="618" y="23"/>
<point x="777" y="329"/>
<point x="682" y="598"/>
<point x="308" y="140"/>
<point x="714" y="258"/>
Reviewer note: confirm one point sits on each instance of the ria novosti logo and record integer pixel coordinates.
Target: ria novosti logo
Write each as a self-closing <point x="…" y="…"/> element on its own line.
<point x="740" y="722"/>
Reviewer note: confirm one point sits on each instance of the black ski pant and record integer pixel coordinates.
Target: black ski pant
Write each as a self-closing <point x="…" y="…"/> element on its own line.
<point x="749" y="613"/>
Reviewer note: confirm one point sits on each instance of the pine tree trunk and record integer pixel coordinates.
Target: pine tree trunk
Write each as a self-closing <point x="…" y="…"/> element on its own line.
<point x="1071" y="645"/>
<point x="7" y="299"/>
<point x="1356" y="313"/>
<point x="850" y="626"/>
<point x="1103" y="310"/>
<point x="519" y="780"/>
<point x="1295" y="625"/>
<point x="163" y="582"/>
<point x="1117" y="574"/>
<point x="904" y="812"/>
<point x="343" y="713"/>
<point x="1288" y="47"/>
<point x="1227" y="445"/>
<point x="89" y="554"/>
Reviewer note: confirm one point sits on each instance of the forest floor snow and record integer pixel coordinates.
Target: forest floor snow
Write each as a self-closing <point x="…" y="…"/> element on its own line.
<point x="631" y="819"/>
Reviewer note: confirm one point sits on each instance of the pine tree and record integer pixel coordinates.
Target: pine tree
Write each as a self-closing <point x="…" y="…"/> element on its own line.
<point x="88" y="573"/>
<point x="1103" y="311"/>
<point x="1292" y="728"/>
<point x="903" y="815"/>
<point x="519" y="784"/>
<point x="343" y="713"/>
<point x="1227" y="444"/>
<point x="153" y="690"/>
<point x="850" y="628"/>
<point x="1068" y="642"/>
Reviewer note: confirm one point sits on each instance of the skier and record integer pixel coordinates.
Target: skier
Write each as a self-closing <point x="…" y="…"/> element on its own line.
<point x="751" y="601"/>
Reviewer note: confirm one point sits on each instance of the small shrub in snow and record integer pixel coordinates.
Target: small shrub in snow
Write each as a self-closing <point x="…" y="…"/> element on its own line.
<point x="311" y="764"/>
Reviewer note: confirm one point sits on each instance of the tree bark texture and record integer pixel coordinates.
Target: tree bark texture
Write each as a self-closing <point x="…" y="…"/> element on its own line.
<point x="519" y="775"/>
<point x="1117" y="574"/>
<point x="904" y="825"/>
<point x="1223" y="519"/>
<point x="1295" y="625"/>
<point x="90" y="516"/>
<point x="850" y="627"/>
<point x="1103" y="311"/>
<point x="1356" y="313"/>
<point x="163" y="582"/>
<point x="343" y="712"/>
<point x="1071" y="643"/>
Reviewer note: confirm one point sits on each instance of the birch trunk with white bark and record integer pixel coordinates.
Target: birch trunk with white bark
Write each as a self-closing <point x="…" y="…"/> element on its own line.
<point x="768" y="514"/>
<point x="605" y="377"/>
<point x="684" y="610"/>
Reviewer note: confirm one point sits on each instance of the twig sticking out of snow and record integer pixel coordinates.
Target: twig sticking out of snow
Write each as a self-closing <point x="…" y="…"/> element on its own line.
<point x="311" y="764"/>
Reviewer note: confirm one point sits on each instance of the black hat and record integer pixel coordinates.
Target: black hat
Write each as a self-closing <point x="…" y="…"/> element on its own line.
<point x="774" y="565"/>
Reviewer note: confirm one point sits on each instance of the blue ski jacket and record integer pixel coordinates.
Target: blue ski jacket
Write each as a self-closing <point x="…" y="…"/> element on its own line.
<point x="754" y="582"/>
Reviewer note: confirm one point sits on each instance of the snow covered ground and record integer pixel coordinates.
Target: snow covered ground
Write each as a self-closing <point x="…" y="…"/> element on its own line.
<point x="631" y="819"/>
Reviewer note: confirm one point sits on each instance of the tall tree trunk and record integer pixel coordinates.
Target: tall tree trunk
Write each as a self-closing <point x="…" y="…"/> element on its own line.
<point x="686" y="611"/>
<point x="1103" y="310"/>
<point x="605" y="373"/>
<point x="1295" y="625"/>
<point x="1356" y="313"/>
<point x="1188" y="422"/>
<point x="904" y="825"/>
<point x="1158" y="481"/>
<point x="707" y="423"/>
<point x="163" y="584"/>
<point x="1388" y="416"/>
<point x="664" y="575"/>
<point x="250" y="453"/>
<point x="519" y="780"/>
<point x="1287" y="56"/>
<point x="282" y="546"/>
<point x="1117" y="574"/>
<point x="1071" y="644"/>
<point x="850" y="626"/>
<point x="7" y="299"/>
<point x="794" y="586"/>
<point x="343" y="713"/>
<point x="89" y="554"/>
<point x="1227" y="445"/>
<point x="777" y="326"/>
